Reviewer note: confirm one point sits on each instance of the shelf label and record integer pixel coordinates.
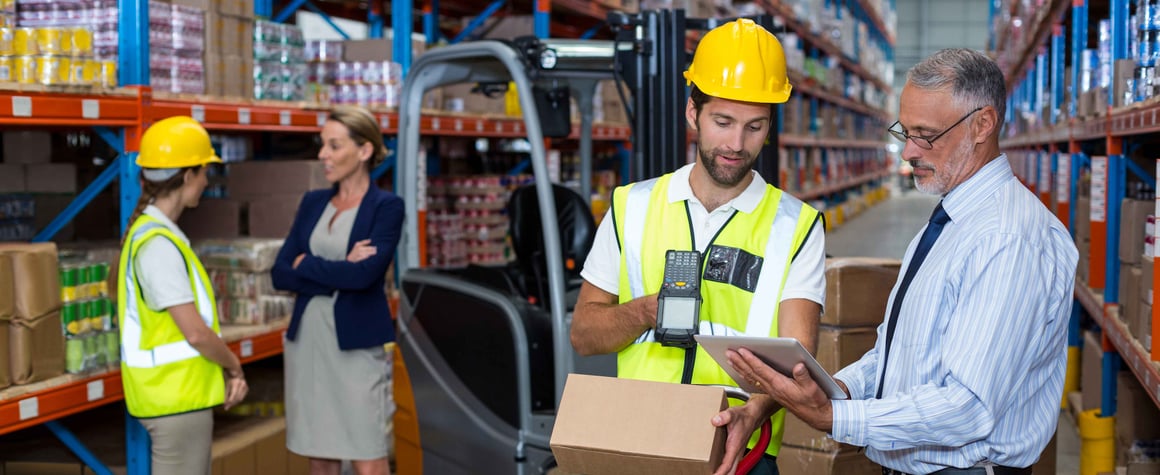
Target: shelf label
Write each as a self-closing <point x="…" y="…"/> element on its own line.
<point x="499" y="127"/>
<point x="385" y="121"/>
<point x="435" y="124"/>
<point x="244" y="116"/>
<point x="519" y="127"/>
<point x="479" y="128"/>
<point x="21" y="106"/>
<point x="321" y="119"/>
<point x="284" y="117"/>
<point x="198" y="113"/>
<point x="1099" y="189"/>
<point x="96" y="390"/>
<point x="29" y="408"/>
<point x="458" y="125"/>
<point x="91" y="109"/>
<point x="247" y="348"/>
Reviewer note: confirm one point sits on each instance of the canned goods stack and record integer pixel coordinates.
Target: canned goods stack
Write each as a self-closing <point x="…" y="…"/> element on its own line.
<point x="176" y="49"/>
<point x="280" y="70"/>
<point x="373" y="84"/>
<point x="16" y="217"/>
<point x="240" y="272"/>
<point x="7" y="13"/>
<point x="87" y="315"/>
<point x="1147" y="49"/>
<point x="466" y="223"/>
<point x="324" y="57"/>
<point x="51" y="44"/>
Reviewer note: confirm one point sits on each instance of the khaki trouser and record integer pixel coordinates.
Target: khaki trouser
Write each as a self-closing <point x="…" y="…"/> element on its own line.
<point x="181" y="443"/>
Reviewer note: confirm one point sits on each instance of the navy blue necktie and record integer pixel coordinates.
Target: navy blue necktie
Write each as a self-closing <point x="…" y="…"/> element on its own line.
<point x="937" y="220"/>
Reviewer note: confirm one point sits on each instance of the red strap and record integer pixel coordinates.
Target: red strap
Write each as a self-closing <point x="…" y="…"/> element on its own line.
<point x="750" y="460"/>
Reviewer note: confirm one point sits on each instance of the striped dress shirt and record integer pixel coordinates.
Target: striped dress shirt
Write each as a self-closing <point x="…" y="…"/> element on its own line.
<point x="979" y="353"/>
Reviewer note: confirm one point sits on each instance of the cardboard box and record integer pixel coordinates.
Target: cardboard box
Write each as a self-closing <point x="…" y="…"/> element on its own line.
<point x="7" y="288"/>
<point x="231" y="35"/>
<point x="251" y="180"/>
<point x="1083" y="268"/>
<point x="37" y="291"/>
<point x="615" y="426"/>
<point x="381" y="49"/>
<point x="1136" y="414"/>
<point x="798" y="461"/>
<point x="27" y="146"/>
<point x="215" y="74"/>
<point x="459" y="98"/>
<point x="212" y="219"/>
<point x="12" y="178"/>
<point x="858" y="290"/>
<point x="236" y="78"/>
<point x="1146" y="274"/>
<point x="1142" y="321"/>
<point x="801" y="435"/>
<point x="204" y="5"/>
<point x="50" y="178"/>
<point x="246" y="36"/>
<point x="48" y="207"/>
<point x="240" y="444"/>
<point x="838" y="347"/>
<point x="1133" y="217"/>
<point x="507" y="27"/>
<point x="273" y="216"/>
<point x="1091" y="370"/>
<point x="36" y="349"/>
<point x="1143" y="468"/>
<point x="1129" y="291"/>
<point x="1083" y="219"/>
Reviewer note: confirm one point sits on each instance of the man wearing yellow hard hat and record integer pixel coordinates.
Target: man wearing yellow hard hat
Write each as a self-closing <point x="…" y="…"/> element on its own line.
<point x="174" y="365"/>
<point x="762" y="251"/>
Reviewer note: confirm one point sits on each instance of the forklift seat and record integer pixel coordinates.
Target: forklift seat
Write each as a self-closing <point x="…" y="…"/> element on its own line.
<point x="577" y="230"/>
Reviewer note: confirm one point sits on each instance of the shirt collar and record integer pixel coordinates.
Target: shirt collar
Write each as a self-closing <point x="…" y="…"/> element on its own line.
<point x="155" y="213"/>
<point x="746" y="202"/>
<point x="970" y="194"/>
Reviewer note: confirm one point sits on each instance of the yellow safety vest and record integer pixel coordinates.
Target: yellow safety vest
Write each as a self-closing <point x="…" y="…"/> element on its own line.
<point x="161" y="372"/>
<point x="743" y="274"/>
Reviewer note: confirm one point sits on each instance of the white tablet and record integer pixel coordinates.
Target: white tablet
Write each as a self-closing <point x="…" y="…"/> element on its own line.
<point x="781" y="354"/>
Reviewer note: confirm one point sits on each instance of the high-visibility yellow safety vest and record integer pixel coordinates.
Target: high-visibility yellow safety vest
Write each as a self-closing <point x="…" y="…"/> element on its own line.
<point x="161" y="372"/>
<point x="743" y="274"/>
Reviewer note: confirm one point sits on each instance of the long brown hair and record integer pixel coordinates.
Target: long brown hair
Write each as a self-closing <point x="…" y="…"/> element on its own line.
<point x="151" y="190"/>
<point x="363" y="129"/>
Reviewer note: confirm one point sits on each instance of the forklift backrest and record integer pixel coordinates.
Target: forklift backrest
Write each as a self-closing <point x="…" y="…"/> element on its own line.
<point x="577" y="230"/>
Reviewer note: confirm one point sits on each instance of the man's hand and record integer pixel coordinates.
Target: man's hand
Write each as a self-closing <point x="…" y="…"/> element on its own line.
<point x="742" y="421"/>
<point x="800" y="395"/>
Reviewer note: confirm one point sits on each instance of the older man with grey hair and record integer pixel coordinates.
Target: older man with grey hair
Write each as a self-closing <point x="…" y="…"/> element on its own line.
<point x="967" y="371"/>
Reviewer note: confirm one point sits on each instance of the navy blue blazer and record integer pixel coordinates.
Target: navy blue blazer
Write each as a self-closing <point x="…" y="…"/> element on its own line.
<point x="362" y="317"/>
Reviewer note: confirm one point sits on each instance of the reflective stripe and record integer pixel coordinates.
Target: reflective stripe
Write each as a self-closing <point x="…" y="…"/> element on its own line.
<point x="131" y="353"/>
<point x="707" y="328"/>
<point x="775" y="267"/>
<point x="636" y="211"/>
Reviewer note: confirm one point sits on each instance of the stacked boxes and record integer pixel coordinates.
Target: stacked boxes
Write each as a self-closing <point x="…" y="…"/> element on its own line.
<point x="229" y="33"/>
<point x="280" y="71"/>
<point x="467" y="224"/>
<point x="36" y="346"/>
<point x="857" y="292"/>
<point x="1134" y="216"/>
<point x="32" y="189"/>
<point x="240" y="272"/>
<point x="324" y="57"/>
<point x="176" y="45"/>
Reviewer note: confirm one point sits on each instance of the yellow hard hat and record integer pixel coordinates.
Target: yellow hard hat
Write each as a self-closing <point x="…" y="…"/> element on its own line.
<point x="741" y="61"/>
<point x="176" y="142"/>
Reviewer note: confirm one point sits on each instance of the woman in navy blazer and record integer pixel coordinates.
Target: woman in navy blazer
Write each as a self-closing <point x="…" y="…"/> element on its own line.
<point x="336" y="259"/>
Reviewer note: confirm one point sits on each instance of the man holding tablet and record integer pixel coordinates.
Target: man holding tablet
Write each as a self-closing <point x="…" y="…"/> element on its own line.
<point x="711" y="246"/>
<point x="967" y="371"/>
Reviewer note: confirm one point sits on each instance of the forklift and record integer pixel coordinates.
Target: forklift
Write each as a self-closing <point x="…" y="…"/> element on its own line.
<point x="487" y="349"/>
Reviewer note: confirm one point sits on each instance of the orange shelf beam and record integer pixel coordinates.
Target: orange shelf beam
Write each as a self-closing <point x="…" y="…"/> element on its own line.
<point x="40" y="108"/>
<point x="26" y="406"/>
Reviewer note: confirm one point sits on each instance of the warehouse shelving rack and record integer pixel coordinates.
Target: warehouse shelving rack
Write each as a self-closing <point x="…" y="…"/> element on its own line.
<point x="1034" y="69"/>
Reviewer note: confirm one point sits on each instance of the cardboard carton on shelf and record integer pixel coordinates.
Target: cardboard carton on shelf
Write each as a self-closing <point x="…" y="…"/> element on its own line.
<point x="1133" y="217"/>
<point x="37" y="291"/>
<point x="36" y="348"/>
<point x="1134" y="410"/>
<point x="50" y="178"/>
<point x="1091" y="370"/>
<point x="838" y="347"/>
<point x="272" y="216"/>
<point x="212" y="219"/>
<point x="27" y="146"/>
<point x="858" y="289"/>
<point x="612" y="426"/>
<point x="12" y="178"/>
<point x="251" y="180"/>
<point x="7" y="308"/>
<point x="799" y="461"/>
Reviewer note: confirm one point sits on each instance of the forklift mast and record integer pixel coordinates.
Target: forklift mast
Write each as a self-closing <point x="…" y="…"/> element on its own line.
<point x="652" y="71"/>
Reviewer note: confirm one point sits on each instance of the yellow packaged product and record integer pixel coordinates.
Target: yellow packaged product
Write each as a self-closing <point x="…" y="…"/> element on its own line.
<point x="24" y="69"/>
<point x="85" y="71"/>
<point x="24" y="42"/>
<point x="6" y="70"/>
<point x="108" y="73"/>
<point x="52" y="40"/>
<point x="6" y="47"/>
<point x="52" y="70"/>
<point x="80" y="41"/>
<point x="8" y="5"/>
<point x="7" y="20"/>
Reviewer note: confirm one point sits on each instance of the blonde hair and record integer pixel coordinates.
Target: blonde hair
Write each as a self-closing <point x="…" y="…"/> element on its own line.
<point x="363" y="129"/>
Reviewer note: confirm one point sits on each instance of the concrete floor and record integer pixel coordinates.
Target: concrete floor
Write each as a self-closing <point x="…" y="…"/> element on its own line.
<point x="884" y="231"/>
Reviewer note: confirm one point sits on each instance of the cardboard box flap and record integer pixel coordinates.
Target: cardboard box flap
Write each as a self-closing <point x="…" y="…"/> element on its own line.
<point x="638" y="419"/>
<point x="37" y="291"/>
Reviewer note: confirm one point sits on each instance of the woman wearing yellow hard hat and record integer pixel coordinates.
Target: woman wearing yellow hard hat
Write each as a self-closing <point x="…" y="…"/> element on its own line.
<point x="175" y="367"/>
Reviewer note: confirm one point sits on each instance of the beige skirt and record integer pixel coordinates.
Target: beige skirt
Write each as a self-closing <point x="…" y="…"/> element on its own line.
<point x="338" y="404"/>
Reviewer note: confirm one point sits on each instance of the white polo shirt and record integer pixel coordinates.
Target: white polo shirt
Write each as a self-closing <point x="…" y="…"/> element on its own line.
<point x="161" y="269"/>
<point x="806" y="279"/>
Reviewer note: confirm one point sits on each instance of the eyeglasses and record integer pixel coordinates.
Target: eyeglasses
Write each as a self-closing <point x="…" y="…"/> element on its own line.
<point x="925" y="143"/>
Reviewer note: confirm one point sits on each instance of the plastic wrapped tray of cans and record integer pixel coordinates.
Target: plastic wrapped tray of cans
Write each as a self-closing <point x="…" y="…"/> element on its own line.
<point x="87" y="314"/>
<point x="233" y="283"/>
<point x="244" y="254"/>
<point x="254" y="310"/>
<point x="54" y="12"/>
<point x="17" y="206"/>
<point x="52" y="56"/>
<point x="278" y="81"/>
